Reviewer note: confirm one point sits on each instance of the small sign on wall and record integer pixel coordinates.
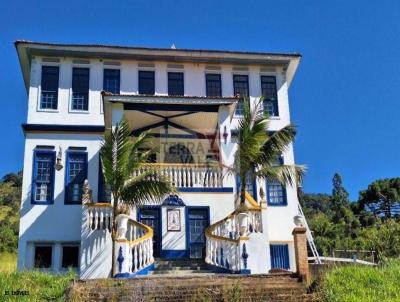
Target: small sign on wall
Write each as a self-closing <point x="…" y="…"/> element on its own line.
<point x="173" y="220"/>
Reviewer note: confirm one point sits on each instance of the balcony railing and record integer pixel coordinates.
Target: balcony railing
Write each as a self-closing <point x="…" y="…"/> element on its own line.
<point x="188" y="175"/>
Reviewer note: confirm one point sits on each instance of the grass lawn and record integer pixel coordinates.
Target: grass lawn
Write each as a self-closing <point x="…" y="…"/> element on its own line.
<point x="33" y="286"/>
<point x="8" y="262"/>
<point x="363" y="283"/>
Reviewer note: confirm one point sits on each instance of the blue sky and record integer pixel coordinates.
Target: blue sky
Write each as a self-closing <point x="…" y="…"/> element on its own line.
<point x="344" y="99"/>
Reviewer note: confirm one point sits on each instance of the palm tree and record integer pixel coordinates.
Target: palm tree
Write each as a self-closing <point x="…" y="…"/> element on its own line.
<point x="258" y="151"/>
<point x="120" y="157"/>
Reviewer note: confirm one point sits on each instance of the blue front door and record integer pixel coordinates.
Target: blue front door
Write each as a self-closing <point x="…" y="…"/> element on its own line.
<point x="198" y="220"/>
<point x="151" y="217"/>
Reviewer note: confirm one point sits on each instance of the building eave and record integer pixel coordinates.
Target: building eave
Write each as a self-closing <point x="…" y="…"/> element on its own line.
<point x="27" y="49"/>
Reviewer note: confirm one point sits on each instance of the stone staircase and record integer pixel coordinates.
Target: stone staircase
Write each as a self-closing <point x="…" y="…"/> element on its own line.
<point x="194" y="287"/>
<point x="180" y="267"/>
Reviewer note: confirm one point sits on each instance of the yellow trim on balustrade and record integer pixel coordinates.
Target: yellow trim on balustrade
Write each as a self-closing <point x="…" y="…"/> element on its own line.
<point x="251" y="201"/>
<point x="148" y="230"/>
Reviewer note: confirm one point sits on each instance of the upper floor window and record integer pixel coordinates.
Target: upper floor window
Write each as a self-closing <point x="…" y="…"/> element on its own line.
<point x="111" y="81"/>
<point x="175" y="83"/>
<point x="76" y="173"/>
<point x="213" y="85"/>
<point x="276" y="193"/>
<point x="241" y="88"/>
<point x="80" y="89"/>
<point x="146" y="82"/>
<point x="43" y="176"/>
<point x="49" y="87"/>
<point x="268" y="90"/>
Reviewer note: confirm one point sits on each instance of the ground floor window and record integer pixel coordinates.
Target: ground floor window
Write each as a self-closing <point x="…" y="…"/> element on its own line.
<point x="279" y="256"/>
<point x="43" y="256"/>
<point x="70" y="256"/>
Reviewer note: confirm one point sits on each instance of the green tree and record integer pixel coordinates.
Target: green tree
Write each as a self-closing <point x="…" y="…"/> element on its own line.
<point x="382" y="197"/>
<point x="383" y="238"/>
<point x="120" y="157"/>
<point x="258" y="151"/>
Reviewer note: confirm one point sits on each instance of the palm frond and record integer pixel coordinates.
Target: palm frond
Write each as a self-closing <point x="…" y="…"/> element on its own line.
<point x="278" y="142"/>
<point x="147" y="187"/>
<point x="285" y="174"/>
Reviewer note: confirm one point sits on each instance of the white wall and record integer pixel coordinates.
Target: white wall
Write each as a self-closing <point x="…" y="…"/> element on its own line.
<point x="55" y="222"/>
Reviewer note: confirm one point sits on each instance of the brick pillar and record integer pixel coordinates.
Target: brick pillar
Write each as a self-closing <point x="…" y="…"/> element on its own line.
<point x="300" y="250"/>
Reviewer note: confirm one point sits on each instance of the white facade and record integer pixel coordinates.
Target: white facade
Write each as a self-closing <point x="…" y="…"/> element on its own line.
<point x="57" y="224"/>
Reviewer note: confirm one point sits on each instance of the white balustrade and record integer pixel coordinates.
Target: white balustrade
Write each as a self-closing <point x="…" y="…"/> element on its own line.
<point x="99" y="216"/>
<point x="188" y="175"/>
<point x="224" y="239"/>
<point x="137" y="251"/>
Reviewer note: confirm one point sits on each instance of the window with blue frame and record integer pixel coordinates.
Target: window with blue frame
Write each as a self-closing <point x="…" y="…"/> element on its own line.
<point x="276" y="193"/>
<point x="111" y="81"/>
<point x="241" y="88"/>
<point x="49" y="87"/>
<point x="76" y="173"/>
<point x="268" y="89"/>
<point x="146" y="82"/>
<point x="80" y="89"/>
<point x="175" y="83"/>
<point x="279" y="256"/>
<point x="213" y="85"/>
<point x="43" y="176"/>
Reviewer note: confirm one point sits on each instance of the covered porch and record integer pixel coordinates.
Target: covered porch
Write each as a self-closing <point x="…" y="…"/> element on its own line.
<point x="189" y="134"/>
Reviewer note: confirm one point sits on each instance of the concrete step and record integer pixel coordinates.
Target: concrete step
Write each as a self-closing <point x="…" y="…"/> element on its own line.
<point x="197" y="286"/>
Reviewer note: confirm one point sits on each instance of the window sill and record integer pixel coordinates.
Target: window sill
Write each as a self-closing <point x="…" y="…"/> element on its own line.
<point x="48" y="110"/>
<point x="277" y="205"/>
<point x="43" y="203"/>
<point x="79" y="111"/>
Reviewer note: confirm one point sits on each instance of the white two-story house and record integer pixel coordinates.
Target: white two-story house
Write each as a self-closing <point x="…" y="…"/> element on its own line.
<point x="190" y="100"/>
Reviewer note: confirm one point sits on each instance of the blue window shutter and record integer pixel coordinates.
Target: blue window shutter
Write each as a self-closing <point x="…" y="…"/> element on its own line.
<point x="279" y="256"/>
<point x="43" y="174"/>
<point x="76" y="171"/>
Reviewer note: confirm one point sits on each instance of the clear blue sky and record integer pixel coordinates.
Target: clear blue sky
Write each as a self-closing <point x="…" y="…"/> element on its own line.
<point x="344" y="99"/>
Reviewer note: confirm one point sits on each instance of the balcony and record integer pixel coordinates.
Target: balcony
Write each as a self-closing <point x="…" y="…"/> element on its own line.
<point x="188" y="175"/>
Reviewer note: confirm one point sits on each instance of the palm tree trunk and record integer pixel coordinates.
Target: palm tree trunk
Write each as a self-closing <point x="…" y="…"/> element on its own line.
<point x="113" y="234"/>
<point x="242" y="189"/>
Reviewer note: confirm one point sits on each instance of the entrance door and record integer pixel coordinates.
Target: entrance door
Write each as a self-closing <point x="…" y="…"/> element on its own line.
<point x="151" y="217"/>
<point x="198" y="222"/>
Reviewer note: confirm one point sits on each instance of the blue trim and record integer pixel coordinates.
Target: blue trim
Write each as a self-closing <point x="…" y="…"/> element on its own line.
<point x="139" y="218"/>
<point x="142" y="272"/>
<point x="34" y="174"/>
<point x="167" y="123"/>
<point x="207" y="190"/>
<point x="62" y="128"/>
<point x="187" y="225"/>
<point x="245" y="272"/>
<point x="66" y="180"/>
<point x="174" y="254"/>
